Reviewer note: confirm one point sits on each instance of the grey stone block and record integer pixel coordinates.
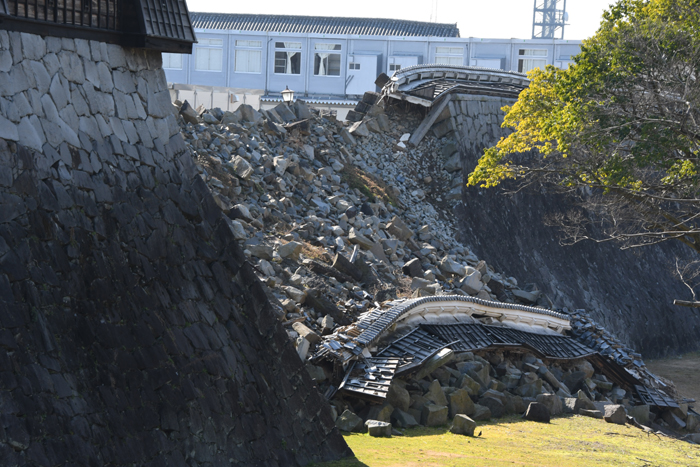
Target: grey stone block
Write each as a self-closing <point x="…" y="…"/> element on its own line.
<point x="463" y="425"/>
<point x="434" y="415"/>
<point x="378" y="429"/>
<point x="615" y="414"/>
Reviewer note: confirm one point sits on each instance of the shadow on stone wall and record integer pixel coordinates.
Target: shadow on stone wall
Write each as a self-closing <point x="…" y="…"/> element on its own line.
<point x="630" y="292"/>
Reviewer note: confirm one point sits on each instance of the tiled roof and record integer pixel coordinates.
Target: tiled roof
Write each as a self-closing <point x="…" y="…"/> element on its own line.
<point x="322" y="25"/>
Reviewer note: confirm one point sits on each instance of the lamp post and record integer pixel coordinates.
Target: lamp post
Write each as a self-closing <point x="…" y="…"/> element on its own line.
<point x="288" y="95"/>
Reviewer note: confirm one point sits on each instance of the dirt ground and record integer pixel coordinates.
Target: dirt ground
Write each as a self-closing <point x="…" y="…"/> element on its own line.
<point x="684" y="371"/>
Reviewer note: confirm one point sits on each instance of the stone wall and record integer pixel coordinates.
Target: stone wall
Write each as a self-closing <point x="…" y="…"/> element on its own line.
<point x="629" y="292"/>
<point x="132" y="331"/>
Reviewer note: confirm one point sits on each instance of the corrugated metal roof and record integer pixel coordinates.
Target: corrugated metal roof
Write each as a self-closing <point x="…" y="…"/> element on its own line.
<point x="321" y="25"/>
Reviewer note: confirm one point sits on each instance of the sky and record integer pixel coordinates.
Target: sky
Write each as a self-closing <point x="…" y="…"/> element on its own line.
<point x="475" y="18"/>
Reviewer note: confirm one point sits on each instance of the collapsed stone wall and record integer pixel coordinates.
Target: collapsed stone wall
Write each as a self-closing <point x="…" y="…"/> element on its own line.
<point x="132" y="331"/>
<point x="629" y="292"/>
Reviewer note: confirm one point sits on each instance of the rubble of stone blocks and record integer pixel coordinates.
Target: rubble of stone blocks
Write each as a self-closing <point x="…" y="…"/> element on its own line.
<point x="493" y="384"/>
<point x="340" y="218"/>
<point x="304" y="198"/>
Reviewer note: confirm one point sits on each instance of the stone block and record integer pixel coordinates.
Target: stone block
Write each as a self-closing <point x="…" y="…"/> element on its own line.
<point x="307" y="333"/>
<point x="443" y="357"/>
<point x="378" y="429"/>
<point x="290" y="250"/>
<point x="403" y="419"/>
<point x="434" y="415"/>
<point x="380" y="412"/>
<point x="459" y="402"/>
<point x="463" y="425"/>
<point x="593" y="413"/>
<point x="348" y="421"/>
<point x="472" y="284"/>
<point x="537" y="412"/>
<point x="359" y="129"/>
<point x="435" y="393"/>
<point x="470" y="385"/>
<point x="530" y="389"/>
<point x="398" y="396"/>
<point x="640" y="413"/>
<point x="359" y="239"/>
<point x="481" y="412"/>
<point x="673" y="420"/>
<point x="8" y="130"/>
<point x="413" y="268"/>
<point x="615" y="414"/>
<point x="553" y="403"/>
<point x="496" y="407"/>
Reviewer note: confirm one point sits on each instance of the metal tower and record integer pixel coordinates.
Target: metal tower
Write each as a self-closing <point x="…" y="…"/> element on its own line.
<point x="548" y="19"/>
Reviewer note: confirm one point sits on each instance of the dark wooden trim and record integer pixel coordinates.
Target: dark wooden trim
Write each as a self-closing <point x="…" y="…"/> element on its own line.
<point x="169" y="45"/>
<point x="45" y="28"/>
<point x="686" y="303"/>
<point x="138" y="23"/>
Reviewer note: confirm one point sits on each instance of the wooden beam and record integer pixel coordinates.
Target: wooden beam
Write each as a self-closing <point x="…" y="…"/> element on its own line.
<point x="686" y="303"/>
<point x="428" y="121"/>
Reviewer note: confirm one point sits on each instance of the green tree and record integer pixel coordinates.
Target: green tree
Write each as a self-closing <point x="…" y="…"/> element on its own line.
<point x="622" y="122"/>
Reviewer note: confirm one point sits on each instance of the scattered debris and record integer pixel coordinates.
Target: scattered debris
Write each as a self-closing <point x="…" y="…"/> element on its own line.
<point x="398" y="322"/>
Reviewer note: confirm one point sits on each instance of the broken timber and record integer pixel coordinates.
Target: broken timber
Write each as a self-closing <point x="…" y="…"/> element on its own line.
<point x="434" y="86"/>
<point x="427" y="123"/>
<point x="370" y="378"/>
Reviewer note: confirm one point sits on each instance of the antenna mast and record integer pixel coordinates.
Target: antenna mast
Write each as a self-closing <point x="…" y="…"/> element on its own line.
<point x="548" y="19"/>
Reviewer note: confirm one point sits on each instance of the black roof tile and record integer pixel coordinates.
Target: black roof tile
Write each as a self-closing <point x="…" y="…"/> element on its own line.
<point x="322" y="25"/>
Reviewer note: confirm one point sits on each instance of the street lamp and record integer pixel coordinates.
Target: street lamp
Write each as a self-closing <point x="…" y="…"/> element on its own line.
<point x="288" y="95"/>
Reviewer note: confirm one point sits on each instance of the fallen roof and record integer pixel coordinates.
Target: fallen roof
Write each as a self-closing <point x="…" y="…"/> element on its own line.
<point x="468" y="337"/>
<point x="427" y="84"/>
<point x="356" y="338"/>
<point x="370" y="378"/>
<point x="322" y="25"/>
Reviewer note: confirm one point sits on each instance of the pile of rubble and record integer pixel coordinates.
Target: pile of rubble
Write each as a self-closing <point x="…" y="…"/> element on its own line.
<point x="340" y="219"/>
<point x="492" y="385"/>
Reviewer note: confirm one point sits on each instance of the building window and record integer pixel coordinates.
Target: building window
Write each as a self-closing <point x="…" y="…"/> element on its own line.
<point x="209" y="55"/>
<point x="394" y="67"/>
<point x="172" y="61"/>
<point x="354" y="66"/>
<point x="248" y="57"/>
<point x="449" y="56"/>
<point x="288" y="58"/>
<point x="531" y="59"/>
<point x="326" y="63"/>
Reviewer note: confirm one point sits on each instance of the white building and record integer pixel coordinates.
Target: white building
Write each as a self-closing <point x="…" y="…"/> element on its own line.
<point x="332" y="61"/>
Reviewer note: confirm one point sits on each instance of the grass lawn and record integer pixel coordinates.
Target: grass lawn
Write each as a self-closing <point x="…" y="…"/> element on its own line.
<point x="684" y="371"/>
<point x="567" y="441"/>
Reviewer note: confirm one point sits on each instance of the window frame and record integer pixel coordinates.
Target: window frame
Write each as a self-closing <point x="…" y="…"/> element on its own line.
<point x="336" y="51"/>
<point x="286" y="48"/>
<point x="209" y="44"/>
<point x="540" y="57"/>
<point x="170" y="55"/>
<point x="246" y="45"/>
<point x="451" y="52"/>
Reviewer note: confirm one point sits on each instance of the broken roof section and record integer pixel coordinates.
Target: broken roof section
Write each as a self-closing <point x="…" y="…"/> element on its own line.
<point x="428" y="84"/>
<point x="370" y="378"/>
<point x="357" y="338"/>
<point x="322" y="25"/>
<point x="468" y="337"/>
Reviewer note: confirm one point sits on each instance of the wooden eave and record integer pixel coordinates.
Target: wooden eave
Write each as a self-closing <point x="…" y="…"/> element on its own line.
<point x="162" y="25"/>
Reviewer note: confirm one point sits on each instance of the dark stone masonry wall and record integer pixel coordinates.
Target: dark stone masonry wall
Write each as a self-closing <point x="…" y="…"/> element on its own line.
<point x="629" y="292"/>
<point x="132" y="331"/>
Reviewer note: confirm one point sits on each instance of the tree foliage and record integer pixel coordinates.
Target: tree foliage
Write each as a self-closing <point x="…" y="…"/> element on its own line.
<point x="623" y="121"/>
